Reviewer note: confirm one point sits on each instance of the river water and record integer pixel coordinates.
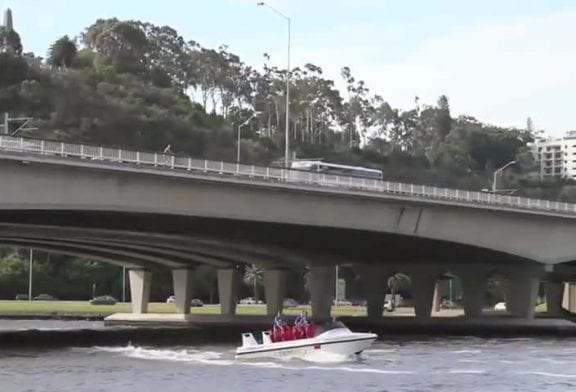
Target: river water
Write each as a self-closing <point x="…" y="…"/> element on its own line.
<point x="392" y="364"/>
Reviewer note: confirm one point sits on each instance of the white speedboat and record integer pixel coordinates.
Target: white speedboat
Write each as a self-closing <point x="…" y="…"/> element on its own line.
<point x="332" y="342"/>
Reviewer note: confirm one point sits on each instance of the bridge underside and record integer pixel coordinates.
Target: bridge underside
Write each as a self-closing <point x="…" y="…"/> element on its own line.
<point x="141" y="241"/>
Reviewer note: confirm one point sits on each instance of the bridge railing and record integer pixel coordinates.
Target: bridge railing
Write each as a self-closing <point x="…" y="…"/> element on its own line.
<point x="184" y="163"/>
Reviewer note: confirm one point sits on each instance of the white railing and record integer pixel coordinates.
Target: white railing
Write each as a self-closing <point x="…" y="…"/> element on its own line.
<point x="248" y="172"/>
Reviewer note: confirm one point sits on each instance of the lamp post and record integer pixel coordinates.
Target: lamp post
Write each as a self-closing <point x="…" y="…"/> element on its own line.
<point x="287" y="140"/>
<point x="239" y="128"/>
<point x="497" y="172"/>
<point x="336" y="287"/>
<point x="123" y="283"/>
<point x="30" y="269"/>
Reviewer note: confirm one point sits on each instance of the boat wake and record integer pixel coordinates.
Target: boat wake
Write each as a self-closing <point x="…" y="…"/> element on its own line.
<point x="224" y="358"/>
<point x="182" y="355"/>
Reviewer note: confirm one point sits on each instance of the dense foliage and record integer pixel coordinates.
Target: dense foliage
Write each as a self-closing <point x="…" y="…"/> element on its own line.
<point x="141" y="86"/>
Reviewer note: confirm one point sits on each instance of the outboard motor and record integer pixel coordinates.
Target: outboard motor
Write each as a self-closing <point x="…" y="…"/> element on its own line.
<point x="248" y="340"/>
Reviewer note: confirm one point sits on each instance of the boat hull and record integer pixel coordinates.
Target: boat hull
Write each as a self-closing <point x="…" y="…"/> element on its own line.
<point x="334" y="346"/>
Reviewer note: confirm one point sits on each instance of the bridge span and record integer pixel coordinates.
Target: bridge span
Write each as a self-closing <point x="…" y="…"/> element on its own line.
<point x="141" y="209"/>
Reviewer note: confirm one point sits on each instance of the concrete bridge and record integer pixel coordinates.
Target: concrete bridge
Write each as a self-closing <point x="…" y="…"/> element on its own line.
<point x="141" y="209"/>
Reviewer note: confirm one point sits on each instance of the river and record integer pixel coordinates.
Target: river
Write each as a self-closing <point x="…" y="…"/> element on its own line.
<point x="392" y="364"/>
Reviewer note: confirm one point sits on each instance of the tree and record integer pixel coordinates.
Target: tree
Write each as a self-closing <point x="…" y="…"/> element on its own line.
<point x="62" y="53"/>
<point x="10" y="41"/>
<point x="530" y="125"/>
<point x="443" y="118"/>
<point x="123" y="45"/>
<point x="254" y="276"/>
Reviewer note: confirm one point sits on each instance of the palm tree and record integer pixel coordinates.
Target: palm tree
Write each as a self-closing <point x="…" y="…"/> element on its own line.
<point x="62" y="53"/>
<point x="253" y="276"/>
<point x="394" y="283"/>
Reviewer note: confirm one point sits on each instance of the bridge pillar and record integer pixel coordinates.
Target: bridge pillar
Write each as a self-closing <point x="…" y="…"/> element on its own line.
<point x="522" y="294"/>
<point x="228" y="284"/>
<point x="474" y="283"/>
<point x="373" y="280"/>
<point x="569" y="297"/>
<point x="554" y="298"/>
<point x="182" y="282"/>
<point x="322" y="285"/>
<point x="423" y="288"/>
<point x="140" y="282"/>
<point x="274" y="290"/>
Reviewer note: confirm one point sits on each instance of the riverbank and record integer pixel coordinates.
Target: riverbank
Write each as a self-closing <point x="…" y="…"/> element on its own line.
<point x="82" y="309"/>
<point x="211" y="330"/>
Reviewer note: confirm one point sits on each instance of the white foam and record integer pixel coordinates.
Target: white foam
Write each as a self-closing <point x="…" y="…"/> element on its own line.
<point x="554" y="375"/>
<point x="467" y="371"/>
<point x="218" y="358"/>
<point x="184" y="355"/>
<point x="379" y="351"/>
<point x="467" y="352"/>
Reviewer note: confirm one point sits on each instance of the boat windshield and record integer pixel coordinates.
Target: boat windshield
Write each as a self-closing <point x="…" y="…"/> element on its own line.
<point x="328" y="326"/>
<point x="333" y="325"/>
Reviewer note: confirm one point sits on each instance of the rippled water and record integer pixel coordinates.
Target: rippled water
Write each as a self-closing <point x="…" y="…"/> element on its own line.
<point x="47" y="325"/>
<point x="447" y="364"/>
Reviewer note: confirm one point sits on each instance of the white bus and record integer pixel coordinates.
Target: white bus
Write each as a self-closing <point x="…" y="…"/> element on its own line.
<point x="334" y="170"/>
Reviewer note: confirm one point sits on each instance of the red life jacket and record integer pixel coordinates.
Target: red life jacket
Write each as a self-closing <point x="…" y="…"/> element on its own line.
<point x="287" y="334"/>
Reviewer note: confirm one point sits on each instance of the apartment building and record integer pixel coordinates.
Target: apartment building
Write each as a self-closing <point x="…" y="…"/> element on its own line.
<point x="556" y="157"/>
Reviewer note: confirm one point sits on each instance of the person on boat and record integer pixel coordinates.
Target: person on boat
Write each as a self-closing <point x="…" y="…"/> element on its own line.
<point x="278" y="321"/>
<point x="277" y="334"/>
<point x="304" y="319"/>
<point x="300" y="325"/>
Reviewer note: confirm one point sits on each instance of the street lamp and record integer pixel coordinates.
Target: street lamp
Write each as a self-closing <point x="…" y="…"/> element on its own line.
<point x="497" y="172"/>
<point x="287" y="142"/>
<point x="239" y="128"/>
<point x="30" y="272"/>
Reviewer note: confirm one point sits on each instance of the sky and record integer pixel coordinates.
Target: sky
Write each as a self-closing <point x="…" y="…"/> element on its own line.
<point x="500" y="61"/>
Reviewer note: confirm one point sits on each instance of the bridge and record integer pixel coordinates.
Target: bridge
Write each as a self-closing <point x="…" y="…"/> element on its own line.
<point x="141" y="209"/>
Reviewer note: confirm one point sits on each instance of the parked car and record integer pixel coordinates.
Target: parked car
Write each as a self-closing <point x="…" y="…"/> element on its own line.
<point x="343" y="302"/>
<point x="103" y="300"/>
<point x="290" y="303"/>
<point x="248" y="301"/>
<point x="447" y="304"/>
<point x="44" y="297"/>
<point x="196" y="303"/>
<point x="388" y="306"/>
<point x="500" y="306"/>
<point x="22" y="297"/>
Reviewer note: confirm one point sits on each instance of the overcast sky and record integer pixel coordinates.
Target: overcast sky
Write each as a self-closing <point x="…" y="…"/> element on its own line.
<point x="498" y="60"/>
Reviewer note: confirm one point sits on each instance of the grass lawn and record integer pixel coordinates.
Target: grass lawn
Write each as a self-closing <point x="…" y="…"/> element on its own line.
<point x="83" y="307"/>
<point x="154" y="307"/>
<point x="541" y="308"/>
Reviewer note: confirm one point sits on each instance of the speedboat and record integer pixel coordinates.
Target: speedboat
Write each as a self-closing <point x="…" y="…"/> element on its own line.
<point x="331" y="342"/>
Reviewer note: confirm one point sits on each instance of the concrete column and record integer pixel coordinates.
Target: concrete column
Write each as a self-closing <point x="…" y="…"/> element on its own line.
<point x="275" y="290"/>
<point x="522" y="294"/>
<point x="436" y="298"/>
<point x="554" y="297"/>
<point x="322" y="285"/>
<point x="374" y="285"/>
<point x="423" y="285"/>
<point x="140" y="282"/>
<point x="182" y="281"/>
<point x="473" y="293"/>
<point x="569" y="297"/>
<point x="228" y="284"/>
